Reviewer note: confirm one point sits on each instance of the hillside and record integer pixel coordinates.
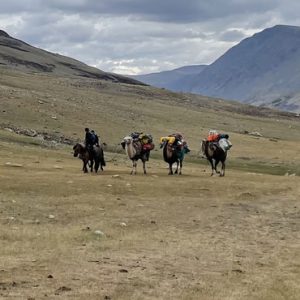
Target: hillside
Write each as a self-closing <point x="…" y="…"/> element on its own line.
<point x="21" y="56"/>
<point x="65" y="234"/>
<point x="173" y="79"/>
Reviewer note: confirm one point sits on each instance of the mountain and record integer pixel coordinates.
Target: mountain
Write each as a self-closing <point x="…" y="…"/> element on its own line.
<point x="21" y="56"/>
<point x="260" y="70"/>
<point x="173" y="79"/>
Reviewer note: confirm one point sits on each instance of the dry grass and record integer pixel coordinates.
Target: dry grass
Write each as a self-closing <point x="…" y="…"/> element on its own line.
<point x="186" y="237"/>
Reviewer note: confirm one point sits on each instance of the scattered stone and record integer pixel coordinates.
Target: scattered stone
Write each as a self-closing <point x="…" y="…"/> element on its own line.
<point x="58" y="167"/>
<point x="70" y="181"/>
<point x="13" y="164"/>
<point x="109" y="185"/>
<point x="116" y="176"/>
<point x="51" y="217"/>
<point x="153" y="222"/>
<point x="255" y="133"/>
<point x="54" y="117"/>
<point x="8" y="129"/>
<point x="62" y="289"/>
<point x="107" y="297"/>
<point x="238" y="271"/>
<point x="123" y="271"/>
<point x="123" y="224"/>
<point x="50" y="276"/>
<point x="128" y="184"/>
<point x="99" y="232"/>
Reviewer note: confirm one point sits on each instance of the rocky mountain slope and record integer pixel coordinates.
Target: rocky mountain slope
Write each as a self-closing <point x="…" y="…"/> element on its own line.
<point x="21" y="56"/>
<point x="262" y="70"/>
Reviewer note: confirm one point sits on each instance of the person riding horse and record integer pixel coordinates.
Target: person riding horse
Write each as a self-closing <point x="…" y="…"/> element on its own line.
<point x="89" y="141"/>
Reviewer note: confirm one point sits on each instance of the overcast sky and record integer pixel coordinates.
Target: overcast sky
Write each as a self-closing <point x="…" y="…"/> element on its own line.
<point x="142" y="36"/>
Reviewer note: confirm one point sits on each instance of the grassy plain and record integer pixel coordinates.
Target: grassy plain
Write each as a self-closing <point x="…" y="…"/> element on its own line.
<point x="69" y="235"/>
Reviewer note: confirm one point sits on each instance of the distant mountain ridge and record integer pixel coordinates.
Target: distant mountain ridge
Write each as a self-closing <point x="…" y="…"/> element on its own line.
<point x="261" y="70"/>
<point x="172" y="79"/>
<point x="19" y="55"/>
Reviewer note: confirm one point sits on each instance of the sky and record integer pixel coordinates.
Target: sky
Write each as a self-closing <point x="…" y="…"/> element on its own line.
<point x="142" y="36"/>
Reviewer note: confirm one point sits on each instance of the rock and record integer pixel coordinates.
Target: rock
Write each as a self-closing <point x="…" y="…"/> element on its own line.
<point x="109" y="185"/>
<point x="51" y="217"/>
<point x="8" y="129"/>
<point x="123" y="224"/>
<point x="123" y="271"/>
<point x="57" y="167"/>
<point x="255" y="133"/>
<point x="62" y="289"/>
<point x="116" y="176"/>
<point x="99" y="232"/>
<point x="13" y="164"/>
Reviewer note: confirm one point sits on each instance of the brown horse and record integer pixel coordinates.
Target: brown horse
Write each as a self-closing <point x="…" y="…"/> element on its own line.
<point x="173" y="154"/>
<point x="214" y="155"/>
<point x="97" y="157"/>
<point x="134" y="150"/>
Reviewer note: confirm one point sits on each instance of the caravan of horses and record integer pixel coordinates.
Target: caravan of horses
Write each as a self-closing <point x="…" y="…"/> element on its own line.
<point x="138" y="146"/>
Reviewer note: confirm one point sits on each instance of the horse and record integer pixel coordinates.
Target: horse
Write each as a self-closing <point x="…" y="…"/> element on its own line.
<point x="173" y="154"/>
<point x="97" y="157"/>
<point x="214" y="155"/>
<point x="134" y="150"/>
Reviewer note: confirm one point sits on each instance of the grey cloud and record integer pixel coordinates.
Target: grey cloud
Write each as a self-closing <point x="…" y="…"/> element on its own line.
<point x="141" y="35"/>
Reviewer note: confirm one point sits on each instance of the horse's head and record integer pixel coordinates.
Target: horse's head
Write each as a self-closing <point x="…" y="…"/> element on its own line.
<point x="78" y="149"/>
<point x="127" y="140"/>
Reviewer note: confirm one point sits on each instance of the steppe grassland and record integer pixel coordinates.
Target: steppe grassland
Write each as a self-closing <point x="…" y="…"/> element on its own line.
<point x="184" y="237"/>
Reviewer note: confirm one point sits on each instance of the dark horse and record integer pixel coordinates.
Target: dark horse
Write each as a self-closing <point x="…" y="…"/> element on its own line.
<point x="173" y="154"/>
<point x="214" y="155"/>
<point x="97" y="157"/>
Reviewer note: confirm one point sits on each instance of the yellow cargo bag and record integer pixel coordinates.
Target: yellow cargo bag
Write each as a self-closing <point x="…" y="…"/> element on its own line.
<point x="169" y="139"/>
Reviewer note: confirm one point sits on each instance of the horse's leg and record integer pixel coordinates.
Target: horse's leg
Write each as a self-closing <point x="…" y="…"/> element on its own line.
<point x="85" y="170"/>
<point x="177" y="165"/>
<point x="170" y="169"/>
<point x="180" y="167"/>
<point x="134" y="164"/>
<point x="216" y="164"/>
<point x="222" y="174"/>
<point x="144" y="167"/>
<point x="92" y="164"/>
<point x="212" y="163"/>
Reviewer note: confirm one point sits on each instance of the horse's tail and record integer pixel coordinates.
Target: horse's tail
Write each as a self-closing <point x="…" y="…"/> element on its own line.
<point x="102" y="160"/>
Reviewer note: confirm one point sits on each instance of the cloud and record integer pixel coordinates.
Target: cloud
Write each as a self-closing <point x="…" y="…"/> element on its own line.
<point x="141" y="36"/>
